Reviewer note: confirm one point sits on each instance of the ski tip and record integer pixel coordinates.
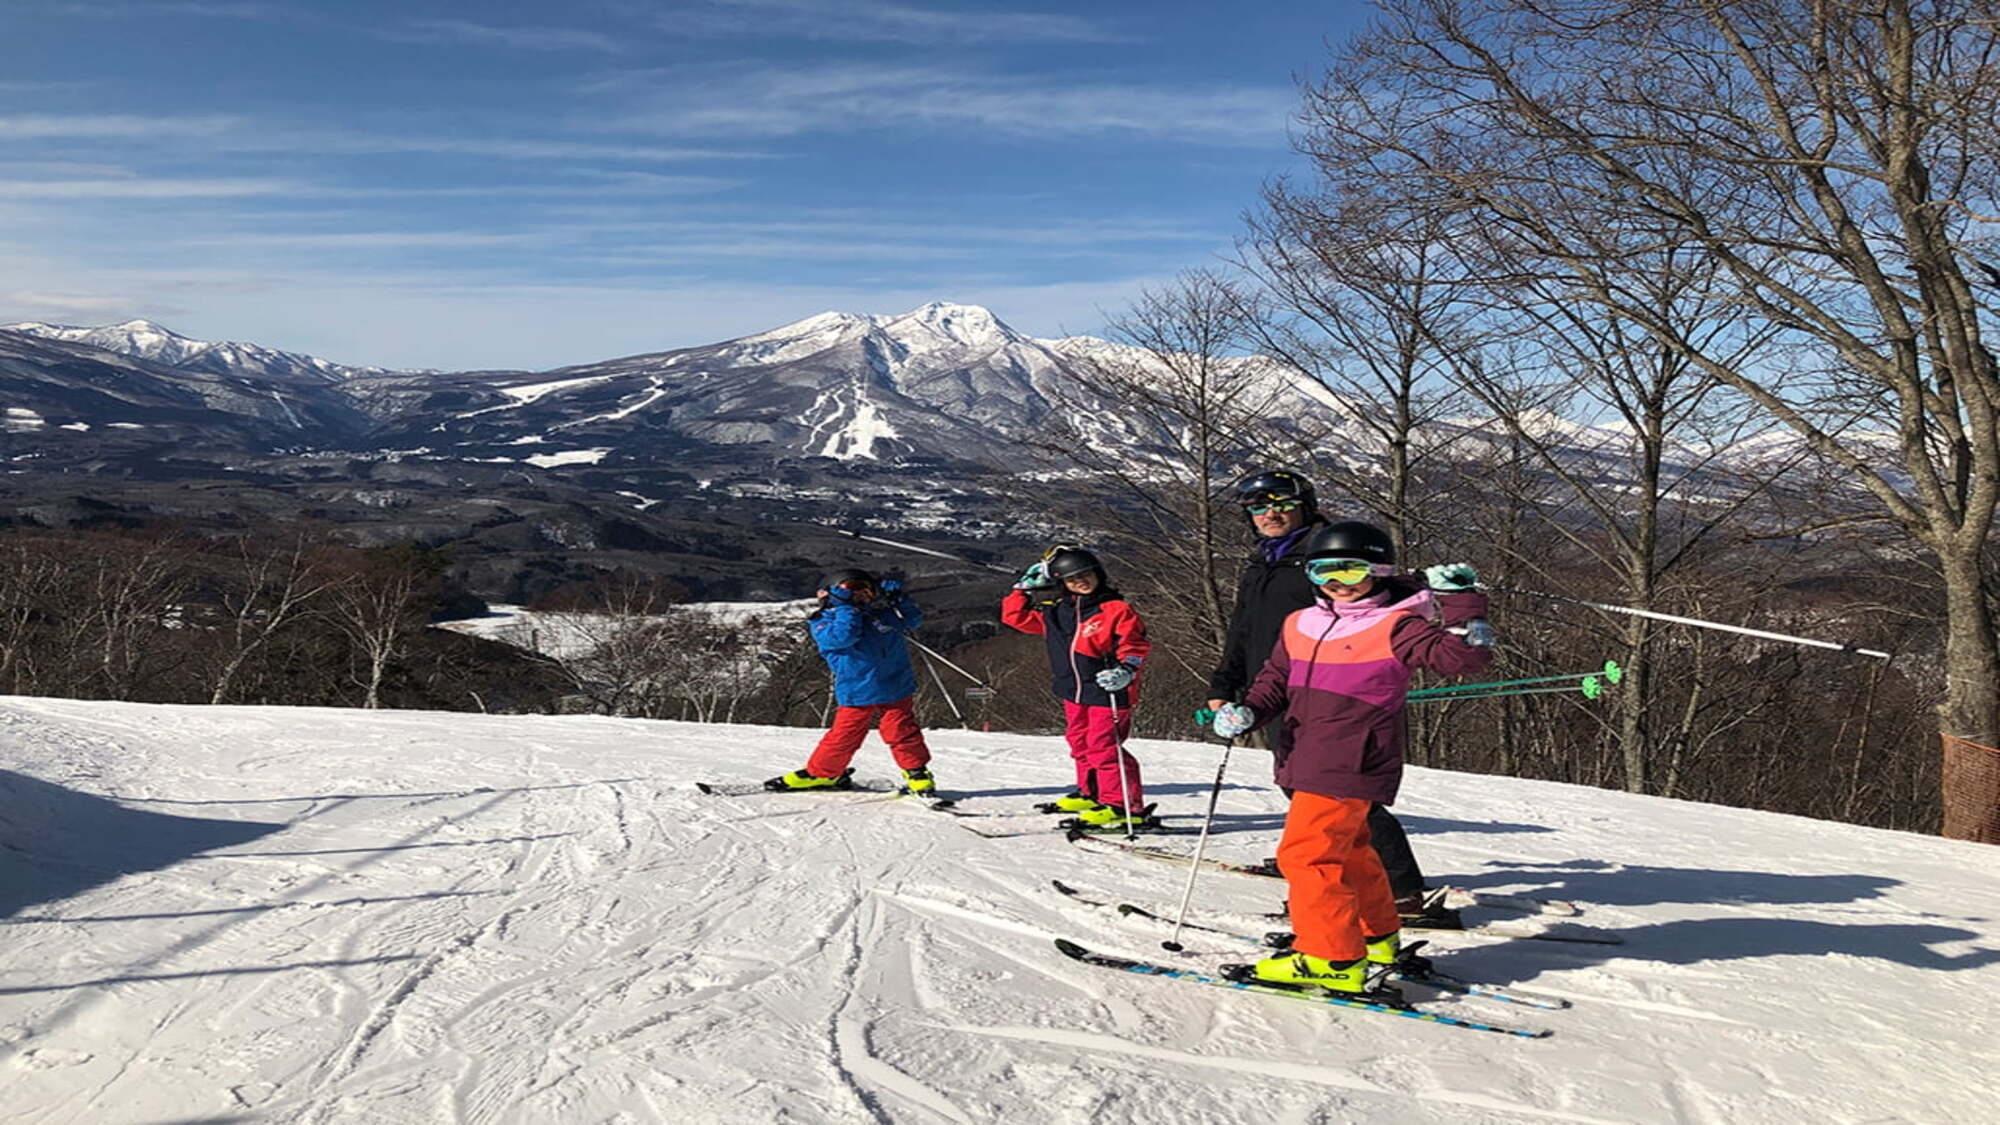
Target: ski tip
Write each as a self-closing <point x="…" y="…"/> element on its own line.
<point x="704" y="787"/>
<point x="1069" y="948"/>
<point x="1062" y="887"/>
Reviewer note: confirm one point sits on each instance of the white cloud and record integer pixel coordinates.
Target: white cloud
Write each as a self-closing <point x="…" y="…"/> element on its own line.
<point x="865" y="21"/>
<point x="27" y="304"/>
<point x="144" y="189"/>
<point x="35" y="127"/>
<point x="488" y="35"/>
<point x="746" y="100"/>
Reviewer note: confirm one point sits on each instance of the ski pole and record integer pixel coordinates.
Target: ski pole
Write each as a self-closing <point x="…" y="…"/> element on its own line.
<point x="1173" y="944"/>
<point x="1610" y="673"/>
<point x="922" y="550"/>
<point x="1590" y="689"/>
<point x="948" y="700"/>
<point x="1697" y="622"/>
<point x="940" y="658"/>
<point x="1124" y="785"/>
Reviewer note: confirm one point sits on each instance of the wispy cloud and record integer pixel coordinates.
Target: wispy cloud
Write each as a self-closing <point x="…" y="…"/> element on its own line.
<point x="37" y="127"/>
<point x="138" y="188"/>
<point x="229" y="133"/>
<point x="33" y="304"/>
<point x="488" y="35"/>
<point x="370" y="240"/>
<point x="746" y="100"/>
<point x="870" y="21"/>
<point x="126" y="9"/>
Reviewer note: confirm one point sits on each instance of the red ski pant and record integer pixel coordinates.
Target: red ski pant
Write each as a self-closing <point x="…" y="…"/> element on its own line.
<point x="1095" y="744"/>
<point x="851" y="724"/>
<point x="1339" y="893"/>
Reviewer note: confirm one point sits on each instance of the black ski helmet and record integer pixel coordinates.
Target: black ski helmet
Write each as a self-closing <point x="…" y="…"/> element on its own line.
<point x="1071" y="562"/>
<point x="851" y="574"/>
<point x="1351" y="539"/>
<point x="1266" y="485"/>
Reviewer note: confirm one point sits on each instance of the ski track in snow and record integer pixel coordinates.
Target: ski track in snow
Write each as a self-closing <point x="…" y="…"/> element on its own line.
<point x="320" y="916"/>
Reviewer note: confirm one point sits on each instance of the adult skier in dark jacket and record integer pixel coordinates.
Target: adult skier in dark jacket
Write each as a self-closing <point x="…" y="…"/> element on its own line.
<point x="1282" y="509"/>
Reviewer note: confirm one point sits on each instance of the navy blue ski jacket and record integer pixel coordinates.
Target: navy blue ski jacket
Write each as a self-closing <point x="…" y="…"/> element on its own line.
<point x="865" y="649"/>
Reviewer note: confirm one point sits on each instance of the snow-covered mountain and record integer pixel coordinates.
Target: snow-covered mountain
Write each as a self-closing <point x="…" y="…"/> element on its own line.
<point x="143" y="339"/>
<point x="279" y="914"/>
<point x="72" y="403"/>
<point x="942" y="383"/>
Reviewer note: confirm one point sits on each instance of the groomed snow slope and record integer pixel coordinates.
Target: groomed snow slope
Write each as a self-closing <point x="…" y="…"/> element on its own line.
<point x="303" y="915"/>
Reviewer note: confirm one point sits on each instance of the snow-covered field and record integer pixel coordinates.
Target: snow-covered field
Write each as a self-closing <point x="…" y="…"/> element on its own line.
<point x="290" y="915"/>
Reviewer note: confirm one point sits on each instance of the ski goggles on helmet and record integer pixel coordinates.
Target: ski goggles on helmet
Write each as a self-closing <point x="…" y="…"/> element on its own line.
<point x="1346" y="572"/>
<point x="1268" y="504"/>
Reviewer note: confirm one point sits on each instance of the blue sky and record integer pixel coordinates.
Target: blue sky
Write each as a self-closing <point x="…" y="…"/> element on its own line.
<point x="504" y="183"/>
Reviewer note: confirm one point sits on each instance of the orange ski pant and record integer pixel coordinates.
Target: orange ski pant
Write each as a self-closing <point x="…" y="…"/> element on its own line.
<point x="1339" y="892"/>
<point x="851" y="724"/>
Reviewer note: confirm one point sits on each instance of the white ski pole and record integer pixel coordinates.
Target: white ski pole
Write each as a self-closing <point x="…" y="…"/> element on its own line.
<point x="1173" y="944"/>
<point x="946" y="692"/>
<point x="1629" y="611"/>
<point x="940" y="658"/>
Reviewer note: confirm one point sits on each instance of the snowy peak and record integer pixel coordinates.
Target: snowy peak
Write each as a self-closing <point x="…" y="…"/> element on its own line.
<point x="968" y="326"/>
<point x="143" y="339"/>
<point x="934" y="327"/>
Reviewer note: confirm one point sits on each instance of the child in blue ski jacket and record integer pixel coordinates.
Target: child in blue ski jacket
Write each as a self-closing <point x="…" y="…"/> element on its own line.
<point x="859" y="629"/>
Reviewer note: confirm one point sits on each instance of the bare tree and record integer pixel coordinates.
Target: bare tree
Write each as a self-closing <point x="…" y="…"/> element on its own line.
<point x="32" y="580"/>
<point x="126" y="600"/>
<point x="1375" y="309"/>
<point x="1178" y="382"/>
<point x="270" y="586"/>
<point x="379" y="603"/>
<point x="1831" y="161"/>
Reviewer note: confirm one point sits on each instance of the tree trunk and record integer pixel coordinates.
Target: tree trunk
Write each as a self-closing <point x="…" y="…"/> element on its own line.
<point x="1970" y="712"/>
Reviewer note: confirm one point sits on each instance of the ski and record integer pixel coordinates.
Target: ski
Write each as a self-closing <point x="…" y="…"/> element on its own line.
<point x="1159" y="853"/>
<point x="1444" y="982"/>
<point x="1312" y="996"/>
<point x="1455" y="897"/>
<point x="1459" y="898"/>
<point x="1132" y="910"/>
<point x="873" y="790"/>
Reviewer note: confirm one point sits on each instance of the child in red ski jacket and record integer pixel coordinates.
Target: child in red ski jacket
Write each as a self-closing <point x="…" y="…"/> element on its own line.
<point x="1096" y="645"/>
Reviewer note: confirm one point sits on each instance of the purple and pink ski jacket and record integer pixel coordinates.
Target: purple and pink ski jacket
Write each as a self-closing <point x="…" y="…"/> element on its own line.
<point x="1338" y="677"/>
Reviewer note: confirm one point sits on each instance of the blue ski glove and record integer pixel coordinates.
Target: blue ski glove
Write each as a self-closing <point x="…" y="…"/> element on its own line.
<point x="1117" y="679"/>
<point x="1451" y="577"/>
<point x="1232" y="719"/>
<point x="888" y="591"/>
<point x="1035" y="578"/>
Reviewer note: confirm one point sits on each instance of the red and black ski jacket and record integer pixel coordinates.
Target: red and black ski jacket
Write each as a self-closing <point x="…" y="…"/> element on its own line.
<point x="1086" y="634"/>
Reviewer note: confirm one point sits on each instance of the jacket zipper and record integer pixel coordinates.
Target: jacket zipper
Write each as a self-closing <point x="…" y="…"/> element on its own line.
<point x="1076" y="638"/>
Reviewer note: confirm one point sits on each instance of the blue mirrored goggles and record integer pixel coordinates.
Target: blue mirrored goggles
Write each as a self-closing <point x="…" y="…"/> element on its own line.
<point x="1263" y="506"/>
<point x="1347" y="572"/>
